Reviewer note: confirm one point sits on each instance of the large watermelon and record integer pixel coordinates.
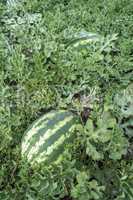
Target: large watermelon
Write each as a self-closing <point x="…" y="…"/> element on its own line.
<point x="46" y="138"/>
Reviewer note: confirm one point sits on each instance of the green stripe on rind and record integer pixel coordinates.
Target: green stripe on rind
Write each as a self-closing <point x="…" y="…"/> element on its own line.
<point x="33" y="130"/>
<point x="54" y="151"/>
<point x="55" y="157"/>
<point x="51" y="140"/>
<point x="85" y="42"/>
<point x="48" y="134"/>
<point x="59" y="116"/>
<point x="42" y="118"/>
<point x="41" y="123"/>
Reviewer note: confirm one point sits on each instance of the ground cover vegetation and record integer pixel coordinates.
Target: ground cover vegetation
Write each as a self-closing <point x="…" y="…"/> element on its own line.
<point x="46" y="63"/>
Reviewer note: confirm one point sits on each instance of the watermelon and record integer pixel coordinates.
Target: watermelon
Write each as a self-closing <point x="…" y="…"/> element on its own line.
<point x="46" y="138"/>
<point x="84" y="38"/>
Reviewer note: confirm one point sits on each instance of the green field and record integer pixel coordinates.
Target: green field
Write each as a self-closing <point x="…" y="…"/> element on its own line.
<point x="47" y="63"/>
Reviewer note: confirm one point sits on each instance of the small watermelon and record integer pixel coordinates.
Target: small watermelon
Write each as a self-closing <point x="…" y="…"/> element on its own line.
<point x="45" y="139"/>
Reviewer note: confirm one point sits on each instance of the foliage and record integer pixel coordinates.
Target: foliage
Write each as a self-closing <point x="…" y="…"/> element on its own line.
<point x="105" y="138"/>
<point x="41" y="68"/>
<point x="86" y="189"/>
<point x="124" y="106"/>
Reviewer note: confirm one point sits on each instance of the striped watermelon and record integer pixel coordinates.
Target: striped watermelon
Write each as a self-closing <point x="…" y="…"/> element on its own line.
<point x="45" y="139"/>
<point x="84" y="39"/>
